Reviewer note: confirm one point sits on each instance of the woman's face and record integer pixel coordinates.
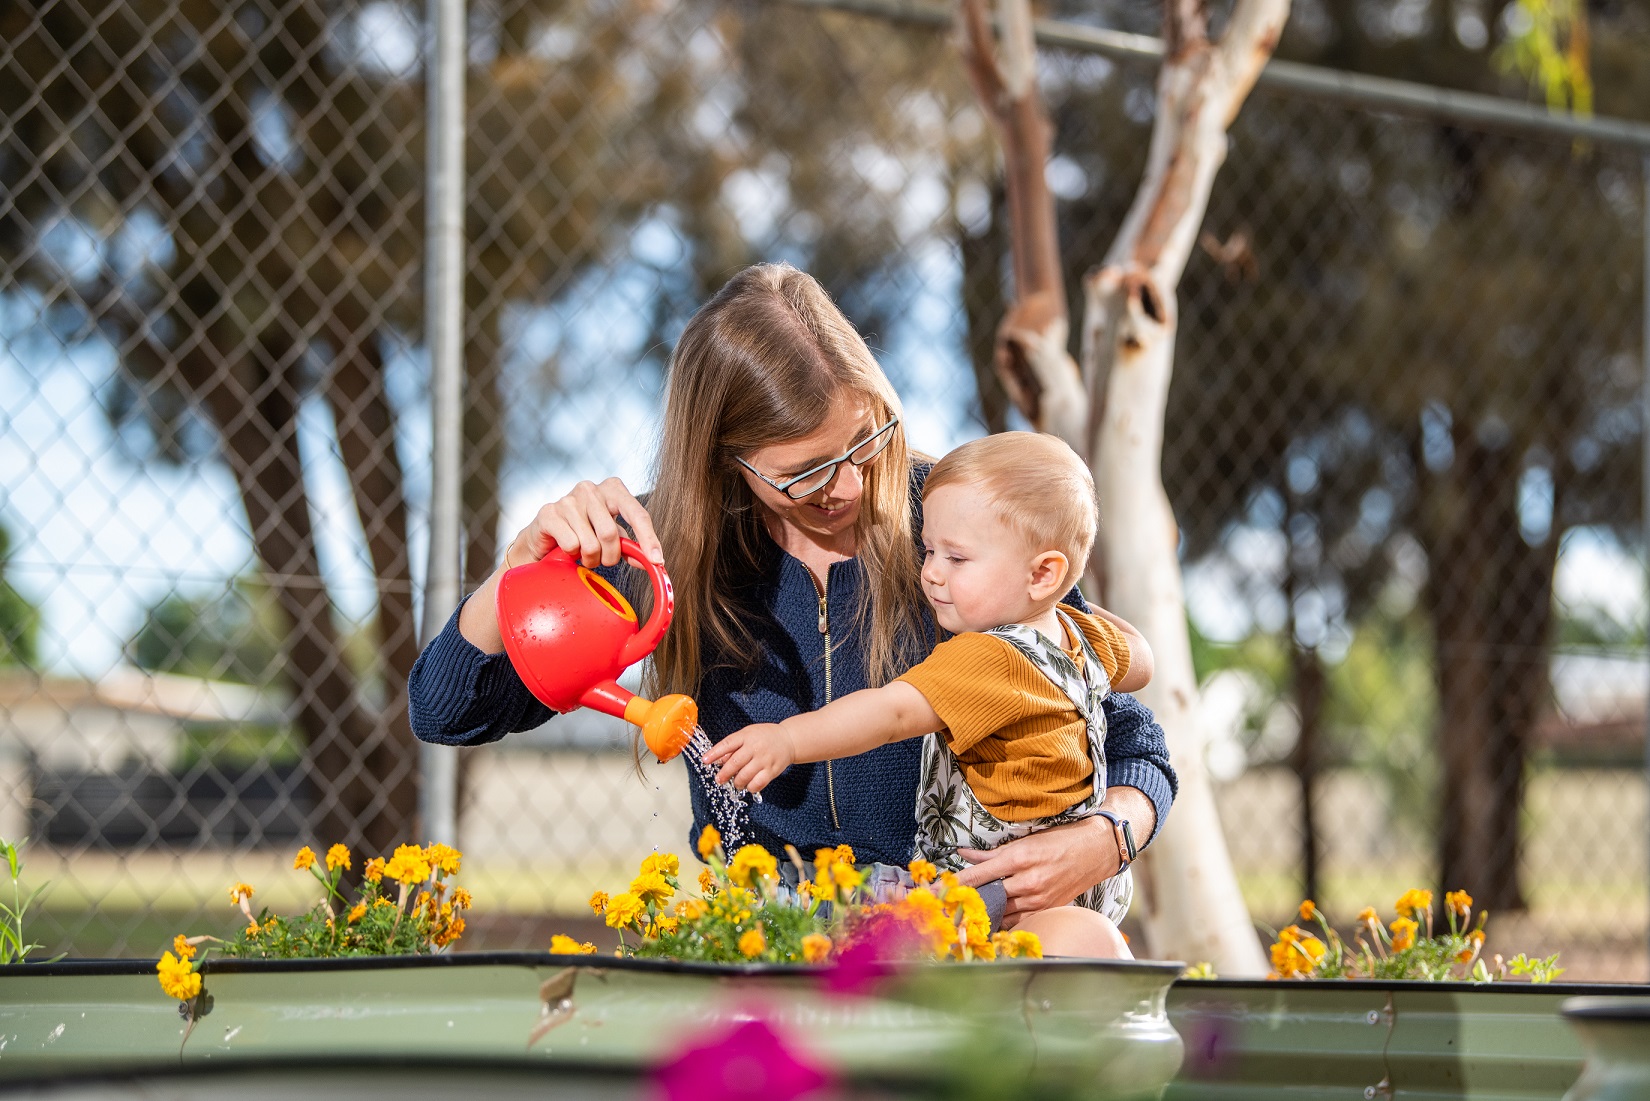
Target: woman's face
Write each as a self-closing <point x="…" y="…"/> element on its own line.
<point x="832" y="510"/>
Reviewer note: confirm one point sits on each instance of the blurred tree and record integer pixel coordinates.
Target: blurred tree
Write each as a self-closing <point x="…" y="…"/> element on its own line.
<point x="235" y="637"/>
<point x="19" y="618"/>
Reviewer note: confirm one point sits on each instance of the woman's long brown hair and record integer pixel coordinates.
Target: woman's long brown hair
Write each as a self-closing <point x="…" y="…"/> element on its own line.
<point x="763" y="362"/>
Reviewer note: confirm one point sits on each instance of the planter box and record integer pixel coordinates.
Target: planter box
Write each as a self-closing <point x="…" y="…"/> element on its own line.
<point x="1362" y="1041"/>
<point x="1055" y="1027"/>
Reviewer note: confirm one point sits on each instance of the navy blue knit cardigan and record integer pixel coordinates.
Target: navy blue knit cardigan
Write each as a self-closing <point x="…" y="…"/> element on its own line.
<point x="458" y="695"/>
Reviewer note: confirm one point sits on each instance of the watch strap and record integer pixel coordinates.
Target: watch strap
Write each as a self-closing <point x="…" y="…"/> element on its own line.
<point x="1126" y="851"/>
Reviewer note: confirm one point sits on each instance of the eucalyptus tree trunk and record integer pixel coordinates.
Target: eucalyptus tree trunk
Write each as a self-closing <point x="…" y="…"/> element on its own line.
<point x="1192" y="906"/>
<point x="1129" y="324"/>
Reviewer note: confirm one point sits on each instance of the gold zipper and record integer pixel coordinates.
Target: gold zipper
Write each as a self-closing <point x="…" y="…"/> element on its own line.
<point x="825" y="630"/>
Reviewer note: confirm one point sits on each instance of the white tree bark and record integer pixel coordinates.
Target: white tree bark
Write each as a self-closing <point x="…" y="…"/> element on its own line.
<point x="1195" y="910"/>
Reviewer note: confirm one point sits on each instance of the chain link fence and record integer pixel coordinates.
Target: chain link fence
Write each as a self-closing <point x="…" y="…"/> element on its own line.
<point x="1405" y="441"/>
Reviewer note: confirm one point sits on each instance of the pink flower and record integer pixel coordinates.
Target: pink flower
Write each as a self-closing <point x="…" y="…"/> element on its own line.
<point x="748" y="1062"/>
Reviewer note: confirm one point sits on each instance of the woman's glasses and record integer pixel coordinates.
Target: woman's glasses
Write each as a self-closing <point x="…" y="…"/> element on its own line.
<point x="816" y="478"/>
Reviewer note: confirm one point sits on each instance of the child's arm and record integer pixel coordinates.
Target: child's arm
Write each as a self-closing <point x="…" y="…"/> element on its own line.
<point x="860" y="721"/>
<point x="1140" y="652"/>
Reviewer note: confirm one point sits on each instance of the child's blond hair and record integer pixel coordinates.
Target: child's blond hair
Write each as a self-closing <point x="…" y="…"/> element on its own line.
<point x="1036" y="483"/>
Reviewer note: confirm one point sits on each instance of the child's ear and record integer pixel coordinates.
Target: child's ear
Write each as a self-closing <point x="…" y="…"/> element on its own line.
<point x="1048" y="575"/>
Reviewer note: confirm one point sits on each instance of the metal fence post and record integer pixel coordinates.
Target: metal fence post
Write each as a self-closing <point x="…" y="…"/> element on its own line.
<point x="443" y="327"/>
<point x="1644" y="433"/>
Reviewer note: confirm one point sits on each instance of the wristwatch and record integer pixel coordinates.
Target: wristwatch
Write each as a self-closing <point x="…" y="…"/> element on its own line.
<point x="1126" y="851"/>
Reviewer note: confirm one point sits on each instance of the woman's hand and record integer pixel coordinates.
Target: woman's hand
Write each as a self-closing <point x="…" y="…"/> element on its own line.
<point x="1053" y="866"/>
<point x="584" y="524"/>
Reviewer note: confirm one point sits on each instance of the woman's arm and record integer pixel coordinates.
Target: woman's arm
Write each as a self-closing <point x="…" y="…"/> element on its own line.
<point x="861" y="721"/>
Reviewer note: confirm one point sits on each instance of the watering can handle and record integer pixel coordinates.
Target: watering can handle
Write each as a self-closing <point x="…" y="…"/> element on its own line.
<point x="664" y="603"/>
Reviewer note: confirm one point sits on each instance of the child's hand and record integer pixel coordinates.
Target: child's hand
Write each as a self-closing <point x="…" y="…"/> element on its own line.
<point x="752" y="757"/>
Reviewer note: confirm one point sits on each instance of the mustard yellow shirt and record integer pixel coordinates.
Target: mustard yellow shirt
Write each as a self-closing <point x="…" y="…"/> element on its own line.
<point x="1021" y="744"/>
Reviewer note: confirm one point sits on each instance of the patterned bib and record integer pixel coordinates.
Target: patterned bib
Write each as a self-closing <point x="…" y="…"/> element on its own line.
<point x="950" y="816"/>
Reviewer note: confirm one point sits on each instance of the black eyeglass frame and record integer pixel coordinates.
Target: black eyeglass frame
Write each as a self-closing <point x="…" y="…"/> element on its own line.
<point x="886" y="433"/>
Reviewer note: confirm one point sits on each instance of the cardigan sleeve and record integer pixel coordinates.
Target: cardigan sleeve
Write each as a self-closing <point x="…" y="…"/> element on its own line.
<point x="458" y="695"/>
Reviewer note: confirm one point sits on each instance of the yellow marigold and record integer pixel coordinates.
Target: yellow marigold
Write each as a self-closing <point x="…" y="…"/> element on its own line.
<point x="357" y="912"/>
<point x="816" y="948"/>
<point x="1403" y="933"/>
<point x="844" y="854"/>
<point x="181" y="945"/>
<point x="377" y="902"/>
<point x="845" y="876"/>
<point x="1296" y="952"/>
<point x="374" y="871"/>
<point x="922" y="872"/>
<point x="444" y="857"/>
<point x="1290" y="934"/>
<point x="663" y="863"/>
<point x="304" y="859"/>
<point x="238" y="892"/>
<point x="1413" y="901"/>
<point x="269" y="926"/>
<point x="751" y="862"/>
<point x="924" y="911"/>
<point x="1460" y="903"/>
<point x="1368" y="916"/>
<point x="651" y="887"/>
<point x="948" y="880"/>
<point x="1309" y="910"/>
<point x="664" y="926"/>
<point x="709" y="842"/>
<point x="462" y="899"/>
<point x="337" y="857"/>
<point x="409" y="865"/>
<point x="567" y="946"/>
<point x="452" y="932"/>
<point x="1018" y="944"/>
<point x="254" y="929"/>
<point x="598" y="902"/>
<point x="707" y="881"/>
<point x="805" y="889"/>
<point x="178" y="977"/>
<point x="824" y="858"/>
<point x="752" y="943"/>
<point x="967" y="909"/>
<point x="690" y="909"/>
<point x="624" y="909"/>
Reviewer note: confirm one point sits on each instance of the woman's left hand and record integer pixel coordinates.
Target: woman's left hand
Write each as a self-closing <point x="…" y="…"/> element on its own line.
<point x="1051" y="867"/>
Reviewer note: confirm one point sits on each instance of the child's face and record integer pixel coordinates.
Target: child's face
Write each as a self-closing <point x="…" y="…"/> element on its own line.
<point x="977" y="572"/>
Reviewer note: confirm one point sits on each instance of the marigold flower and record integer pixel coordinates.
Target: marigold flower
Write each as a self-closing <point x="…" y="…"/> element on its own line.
<point x="442" y="856"/>
<point x="709" y="842"/>
<point x="1413" y="901"/>
<point x="824" y="858"/>
<point x="1368" y="916"/>
<point x="624" y="909"/>
<point x="178" y="977"/>
<point x="452" y="932"/>
<point x="409" y="865"/>
<point x="181" y="945"/>
<point x="357" y="912"/>
<point x="652" y="887"/>
<point x="1460" y="903"/>
<point x="845" y="854"/>
<point x="238" y="892"/>
<point x="752" y="862"/>
<point x="663" y="863"/>
<point x="707" y="881"/>
<point x="462" y="899"/>
<point x="598" y="902"/>
<point x="1309" y="910"/>
<point x="304" y="859"/>
<point x="374" y="870"/>
<point x="1403" y="933"/>
<point x="922" y="872"/>
<point x="752" y="943"/>
<point x="1296" y="952"/>
<point x="337" y="857"/>
<point x="690" y="909"/>
<point x="254" y="929"/>
<point x="845" y="876"/>
<point x="377" y="902"/>
<point x="1477" y="938"/>
<point x="1018" y="944"/>
<point x="816" y="948"/>
<point x="664" y="926"/>
<point x="567" y="946"/>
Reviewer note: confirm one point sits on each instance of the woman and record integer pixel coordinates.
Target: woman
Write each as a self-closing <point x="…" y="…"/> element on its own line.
<point x="785" y="504"/>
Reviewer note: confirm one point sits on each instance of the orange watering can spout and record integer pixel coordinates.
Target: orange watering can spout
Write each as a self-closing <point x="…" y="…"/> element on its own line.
<point x="667" y="723"/>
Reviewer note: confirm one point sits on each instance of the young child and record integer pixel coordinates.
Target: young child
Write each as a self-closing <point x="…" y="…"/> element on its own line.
<point x="1011" y="702"/>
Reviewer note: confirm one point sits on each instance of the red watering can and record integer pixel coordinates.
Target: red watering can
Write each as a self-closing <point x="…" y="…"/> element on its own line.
<point x="570" y="634"/>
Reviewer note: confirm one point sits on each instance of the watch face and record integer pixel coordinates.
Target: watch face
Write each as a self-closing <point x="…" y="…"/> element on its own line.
<point x="1128" y="837"/>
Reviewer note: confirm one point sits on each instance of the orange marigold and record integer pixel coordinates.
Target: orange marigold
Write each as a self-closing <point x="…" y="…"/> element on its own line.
<point x="709" y="842"/>
<point x="1403" y="933"/>
<point x="816" y="948"/>
<point x="337" y="857"/>
<point x="1309" y="910"/>
<point x="752" y="943"/>
<point x="1413" y="901"/>
<point x="374" y="871"/>
<point x="304" y="859"/>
